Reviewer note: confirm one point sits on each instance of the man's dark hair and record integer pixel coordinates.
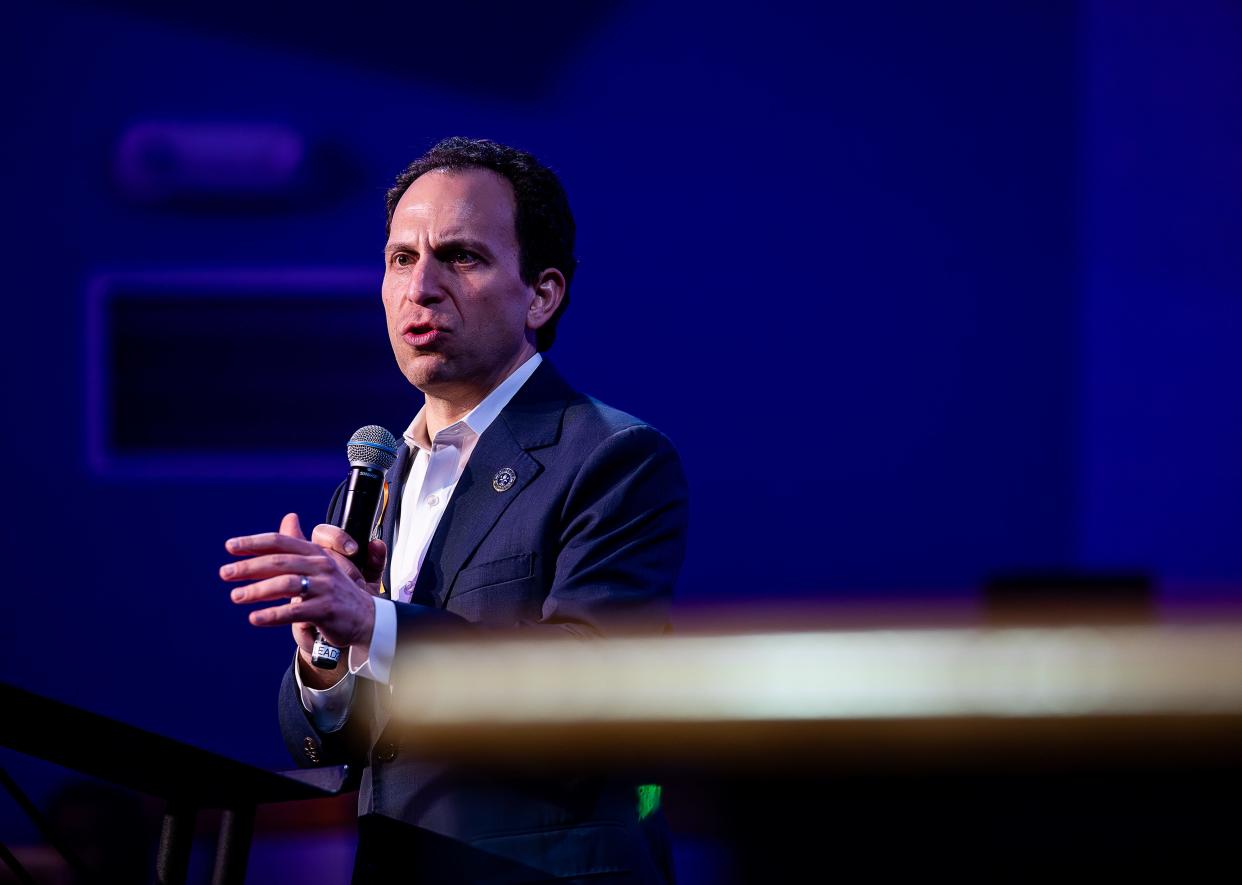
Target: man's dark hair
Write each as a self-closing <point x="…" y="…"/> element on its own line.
<point x="543" y="222"/>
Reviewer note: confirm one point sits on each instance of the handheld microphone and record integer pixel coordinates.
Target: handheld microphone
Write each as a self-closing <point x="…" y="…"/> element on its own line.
<point x="371" y="451"/>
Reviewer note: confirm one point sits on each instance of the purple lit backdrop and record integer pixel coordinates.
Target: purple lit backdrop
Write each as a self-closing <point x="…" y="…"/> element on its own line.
<point x="922" y="293"/>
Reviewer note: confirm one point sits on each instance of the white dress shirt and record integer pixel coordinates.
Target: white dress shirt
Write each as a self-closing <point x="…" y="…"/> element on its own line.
<point x="438" y="465"/>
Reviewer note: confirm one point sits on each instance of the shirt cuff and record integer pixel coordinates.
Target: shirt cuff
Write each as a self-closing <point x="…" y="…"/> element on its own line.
<point x="328" y="707"/>
<point x="374" y="661"/>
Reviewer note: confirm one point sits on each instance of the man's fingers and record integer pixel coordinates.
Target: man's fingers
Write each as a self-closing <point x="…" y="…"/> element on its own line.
<point x="377" y="554"/>
<point x="332" y="537"/>
<point x="269" y="542"/>
<point x="290" y="613"/>
<point x="292" y="527"/>
<point x="347" y="567"/>
<point x="340" y="546"/>
<point x="281" y="587"/>
<point x="277" y="564"/>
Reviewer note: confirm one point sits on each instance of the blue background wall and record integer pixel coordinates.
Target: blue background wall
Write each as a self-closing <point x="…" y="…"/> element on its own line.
<point x="1160" y="480"/>
<point x="922" y="293"/>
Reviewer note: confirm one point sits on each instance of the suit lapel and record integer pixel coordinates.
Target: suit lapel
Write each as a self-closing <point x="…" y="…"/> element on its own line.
<point x="531" y="420"/>
<point x="473" y="510"/>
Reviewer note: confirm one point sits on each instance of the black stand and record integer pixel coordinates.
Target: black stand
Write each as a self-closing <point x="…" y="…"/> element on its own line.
<point x="187" y="778"/>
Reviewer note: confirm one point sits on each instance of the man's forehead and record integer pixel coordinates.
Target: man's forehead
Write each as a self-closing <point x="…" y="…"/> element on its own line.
<point x="457" y="201"/>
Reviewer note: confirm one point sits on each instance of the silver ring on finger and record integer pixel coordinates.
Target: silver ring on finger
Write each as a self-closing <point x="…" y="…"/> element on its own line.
<point x="305" y="585"/>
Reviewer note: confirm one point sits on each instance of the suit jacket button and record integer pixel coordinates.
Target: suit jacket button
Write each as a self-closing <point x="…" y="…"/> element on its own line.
<point x="386" y="752"/>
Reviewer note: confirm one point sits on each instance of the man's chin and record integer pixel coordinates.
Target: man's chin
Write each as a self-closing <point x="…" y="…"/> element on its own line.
<point x="425" y="370"/>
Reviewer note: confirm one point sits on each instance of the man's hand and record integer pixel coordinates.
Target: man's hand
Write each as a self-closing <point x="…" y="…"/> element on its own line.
<point x="337" y="600"/>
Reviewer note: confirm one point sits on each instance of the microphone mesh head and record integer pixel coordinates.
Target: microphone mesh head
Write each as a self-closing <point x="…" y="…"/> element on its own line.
<point x="372" y="446"/>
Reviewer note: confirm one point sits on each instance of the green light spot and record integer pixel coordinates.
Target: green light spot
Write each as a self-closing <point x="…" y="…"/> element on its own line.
<point x="648" y="800"/>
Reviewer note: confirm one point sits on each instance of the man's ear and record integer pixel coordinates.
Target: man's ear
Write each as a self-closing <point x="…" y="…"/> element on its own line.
<point x="549" y="293"/>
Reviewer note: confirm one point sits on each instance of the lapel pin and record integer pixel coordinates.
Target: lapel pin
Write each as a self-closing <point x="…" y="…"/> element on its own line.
<point x="504" y="479"/>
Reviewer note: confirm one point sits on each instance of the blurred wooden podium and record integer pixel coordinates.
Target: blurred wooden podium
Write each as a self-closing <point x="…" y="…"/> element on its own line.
<point x="985" y="753"/>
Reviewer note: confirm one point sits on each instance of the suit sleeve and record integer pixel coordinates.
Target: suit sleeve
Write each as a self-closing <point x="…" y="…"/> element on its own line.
<point x="620" y="545"/>
<point x="623" y="538"/>
<point x="311" y="747"/>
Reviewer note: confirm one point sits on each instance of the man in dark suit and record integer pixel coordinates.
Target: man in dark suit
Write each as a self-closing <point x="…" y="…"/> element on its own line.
<point x="516" y="504"/>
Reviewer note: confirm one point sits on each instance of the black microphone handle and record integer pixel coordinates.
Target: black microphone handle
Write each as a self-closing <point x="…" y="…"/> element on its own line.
<point x="363" y="495"/>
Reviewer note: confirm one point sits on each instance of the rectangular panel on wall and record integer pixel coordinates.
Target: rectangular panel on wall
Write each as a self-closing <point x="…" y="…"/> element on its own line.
<point x="237" y="374"/>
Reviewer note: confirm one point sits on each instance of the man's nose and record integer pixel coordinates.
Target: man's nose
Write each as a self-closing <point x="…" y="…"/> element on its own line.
<point x="426" y="281"/>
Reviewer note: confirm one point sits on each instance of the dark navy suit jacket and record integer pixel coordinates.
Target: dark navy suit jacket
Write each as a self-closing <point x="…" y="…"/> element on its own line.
<point x="586" y="542"/>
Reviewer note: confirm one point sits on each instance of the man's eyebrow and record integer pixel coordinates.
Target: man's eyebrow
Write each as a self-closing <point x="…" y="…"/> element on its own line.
<point x="461" y="242"/>
<point x="450" y="242"/>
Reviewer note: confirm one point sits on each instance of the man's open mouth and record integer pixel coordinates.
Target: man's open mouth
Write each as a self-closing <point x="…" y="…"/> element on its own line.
<point x="420" y="334"/>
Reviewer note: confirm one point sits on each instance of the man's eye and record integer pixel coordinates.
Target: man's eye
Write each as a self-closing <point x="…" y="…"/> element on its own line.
<point x="463" y="256"/>
<point x="401" y="260"/>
